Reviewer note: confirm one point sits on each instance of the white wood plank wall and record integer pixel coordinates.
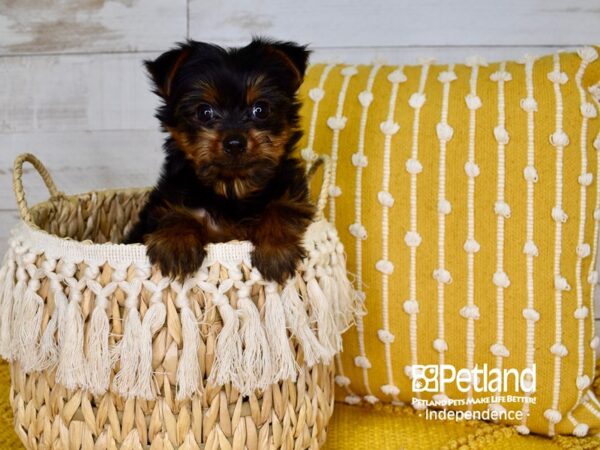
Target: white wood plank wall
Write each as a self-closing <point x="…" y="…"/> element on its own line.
<point x="72" y="88"/>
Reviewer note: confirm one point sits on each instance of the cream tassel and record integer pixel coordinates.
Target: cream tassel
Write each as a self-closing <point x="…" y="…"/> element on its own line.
<point x="297" y="321"/>
<point x="188" y="369"/>
<point x="228" y="352"/>
<point x="282" y="359"/>
<point x="71" y="362"/>
<point x="6" y="305"/>
<point x="152" y="322"/>
<point x="16" y="321"/>
<point x="257" y="370"/>
<point x="48" y="346"/>
<point x="330" y="289"/>
<point x="30" y="329"/>
<point x="98" y="350"/>
<point x="127" y="352"/>
<point x="3" y="271"/>
<point x="347" y="302"/>
<point x="322" y="314"/>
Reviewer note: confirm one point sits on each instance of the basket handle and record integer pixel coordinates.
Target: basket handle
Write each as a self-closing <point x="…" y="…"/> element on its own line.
<point x="18" y="182"/>
<point x="321" y="160"/>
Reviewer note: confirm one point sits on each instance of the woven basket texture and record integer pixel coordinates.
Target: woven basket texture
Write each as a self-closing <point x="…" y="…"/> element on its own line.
<point x="106" y="353"/>
<point x="381" y="428"/>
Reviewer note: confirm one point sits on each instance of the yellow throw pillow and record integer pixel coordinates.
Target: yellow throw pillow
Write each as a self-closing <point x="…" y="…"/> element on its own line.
<point x="467" y="199"/>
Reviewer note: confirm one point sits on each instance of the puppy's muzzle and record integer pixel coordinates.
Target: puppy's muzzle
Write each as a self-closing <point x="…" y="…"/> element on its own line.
<point x="234" y="145"/>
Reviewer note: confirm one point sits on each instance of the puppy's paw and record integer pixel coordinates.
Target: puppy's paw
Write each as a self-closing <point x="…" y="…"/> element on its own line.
<point x="277" y="263"/>
<point x="177" y="256"/>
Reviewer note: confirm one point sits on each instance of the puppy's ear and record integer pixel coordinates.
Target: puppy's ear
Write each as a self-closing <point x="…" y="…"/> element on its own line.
<point x="294" y="56"/>
<point x="163" y="69"/>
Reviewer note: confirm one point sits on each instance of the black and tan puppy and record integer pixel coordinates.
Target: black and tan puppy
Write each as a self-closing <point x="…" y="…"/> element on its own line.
<point x="232" y="119"/>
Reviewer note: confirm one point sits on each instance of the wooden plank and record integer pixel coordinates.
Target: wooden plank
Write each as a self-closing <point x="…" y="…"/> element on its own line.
<point x="126" y="25"/>
<point x="75" y="92"/>
<point x="413" y="55"/>
<point x="82" y="161"/>
<point x="112" y="92"/>
<point x="359" y="23"/>
<point x="30" y="26"/>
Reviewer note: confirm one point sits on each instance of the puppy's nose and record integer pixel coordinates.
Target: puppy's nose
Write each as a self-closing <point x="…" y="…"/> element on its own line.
<point x="234" y="145"/>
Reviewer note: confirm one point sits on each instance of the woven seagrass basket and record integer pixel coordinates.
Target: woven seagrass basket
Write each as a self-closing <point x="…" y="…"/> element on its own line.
<point x="107" y="353"/>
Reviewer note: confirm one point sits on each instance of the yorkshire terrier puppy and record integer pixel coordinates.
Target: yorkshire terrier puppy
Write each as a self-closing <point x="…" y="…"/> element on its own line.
<point x="232" y="119"/>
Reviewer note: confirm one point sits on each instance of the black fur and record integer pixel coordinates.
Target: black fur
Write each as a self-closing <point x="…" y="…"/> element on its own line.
<point x="205" y="193"/>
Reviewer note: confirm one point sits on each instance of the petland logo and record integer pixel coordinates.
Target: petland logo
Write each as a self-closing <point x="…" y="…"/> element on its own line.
<point x="437" y="378"/>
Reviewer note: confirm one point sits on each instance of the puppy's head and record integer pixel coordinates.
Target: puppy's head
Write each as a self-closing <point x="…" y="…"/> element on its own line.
<point x="233" y="113"/>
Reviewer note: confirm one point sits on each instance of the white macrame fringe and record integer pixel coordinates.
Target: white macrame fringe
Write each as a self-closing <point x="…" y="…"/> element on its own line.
<point x="228" y="353"/>
<point x="347" y="305"/>
<point x="98" y="351"/>
<point x="127" y="352"/>
<point x="29" y="327"/>
<point x="253" y="348"/>
<point x="298" y="322"/>
<point x="188" y="369"/>
<point x="6" y="305"/>
<point x="4" y="284"/>
<point x="321" y="312"/>
<point x="48" y="346"/>
<point x="330" y="289"/>
<point x="256" y="357"/>
<point x="71" y="369"/>
<point x="282" y="360"/>
<point x="98" y="360"/>
<point x="3" y="271"/>
<point x="154" y="319"/>
<point x="16" y="321"/>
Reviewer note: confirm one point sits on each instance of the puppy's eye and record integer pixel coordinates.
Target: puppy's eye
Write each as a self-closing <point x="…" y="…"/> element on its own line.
<point x="205" y="113"/>
<point x="260" y="110"/>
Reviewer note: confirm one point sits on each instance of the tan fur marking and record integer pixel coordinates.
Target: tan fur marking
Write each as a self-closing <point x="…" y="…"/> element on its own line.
<point x="267" y="145"/>
<point x="184" y="54"/>
<point x="202" y="149"/>
<point x="253" y="89"/>
<point x="210" y="94"/>
<point x="207" y="144"/>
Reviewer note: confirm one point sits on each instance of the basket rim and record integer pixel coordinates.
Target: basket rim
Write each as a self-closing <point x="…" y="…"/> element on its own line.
<point x="42" y="241"/>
